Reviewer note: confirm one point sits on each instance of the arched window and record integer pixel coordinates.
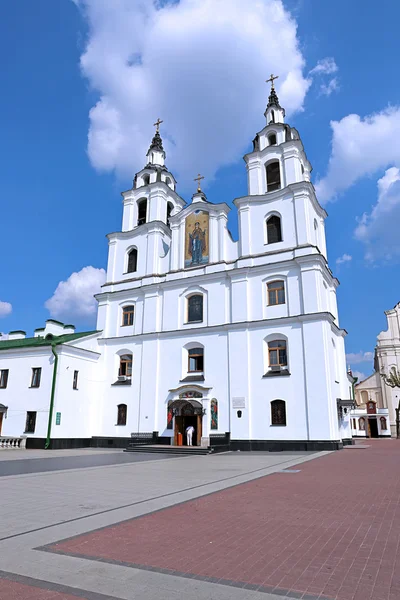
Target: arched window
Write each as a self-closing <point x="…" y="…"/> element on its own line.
<point x="142" y="211"/>
<point x="274" y="231"/>
<point x="277" y="355"/>
<point x="128" y="313"/>
<point x="121" y="417"/>
<point x="132" y="261"/>
<point x="170" y="208"/>
<point x="364" y="397"/>
<point x="272" y="139"/>
<point x="167" y="181"/>
<point x="125" y="365"/>
<point x="146" y="179"/>
<point x="214" y="413"/>
<point x="195" y="360"/>
<point x="278" y="412"/>
<point x="361" y="424"/>
<point x="276" y="293"/>
<point x="273" y="176"/>
<point x="272" y="116"/>
<point x="383" y="424"/>
<point x="195" y="308"/>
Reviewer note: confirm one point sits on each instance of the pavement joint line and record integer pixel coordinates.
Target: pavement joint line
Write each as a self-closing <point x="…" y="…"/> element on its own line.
<point x="54" y="587"/>
<point x="77" y="469"/>
<point x="169" y="494"/>
<point x="49" y="547"/>
<point x="164" y="571"/>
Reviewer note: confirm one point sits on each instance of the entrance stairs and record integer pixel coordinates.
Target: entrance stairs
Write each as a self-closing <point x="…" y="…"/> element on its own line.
<point x="180" y="450"/>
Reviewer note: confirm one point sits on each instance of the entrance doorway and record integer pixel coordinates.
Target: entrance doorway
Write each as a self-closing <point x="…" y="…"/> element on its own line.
<point x="1" y="421"/>
<point x="180" y="427"/>
<point x="373" y="427"/>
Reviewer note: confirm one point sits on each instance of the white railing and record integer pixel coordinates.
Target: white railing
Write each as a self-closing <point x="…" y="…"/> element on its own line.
<point x="8" y="442"/>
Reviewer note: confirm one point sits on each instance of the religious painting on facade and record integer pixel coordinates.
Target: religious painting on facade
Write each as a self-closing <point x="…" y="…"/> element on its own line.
<point x="191" y="394"/>
<point x="170" y="415"/>
<point x="214" y="413"/>
<point x="197" y="239"/>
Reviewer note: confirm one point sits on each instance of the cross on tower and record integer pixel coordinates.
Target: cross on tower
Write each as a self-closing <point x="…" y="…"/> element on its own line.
<point x="157" y="124"/>
<point x="198" y="179"/>
<point x="271" y="80"/>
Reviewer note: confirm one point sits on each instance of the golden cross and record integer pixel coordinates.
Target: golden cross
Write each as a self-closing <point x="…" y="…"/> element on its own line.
<point x="271" y="79"/>
<point x="157" y="124"/>
<point x="198" y="179"/>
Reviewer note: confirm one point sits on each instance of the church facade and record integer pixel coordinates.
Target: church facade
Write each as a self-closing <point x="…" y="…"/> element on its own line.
<point x="378" y="396"/>
<point x="240" y="339"/>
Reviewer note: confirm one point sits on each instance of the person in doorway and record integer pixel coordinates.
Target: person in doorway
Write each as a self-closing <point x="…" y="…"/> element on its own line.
<point x="189" y="435"/>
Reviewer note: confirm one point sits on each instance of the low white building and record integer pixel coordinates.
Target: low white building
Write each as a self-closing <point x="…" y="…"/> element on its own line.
<point x="240" y="339"/>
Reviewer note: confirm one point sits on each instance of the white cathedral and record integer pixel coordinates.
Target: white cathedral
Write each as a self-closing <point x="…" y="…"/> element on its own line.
<point x="240" y="339"/>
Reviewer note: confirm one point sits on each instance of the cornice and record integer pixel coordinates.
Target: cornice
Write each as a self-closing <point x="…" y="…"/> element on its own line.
<point x="229" y="327"/>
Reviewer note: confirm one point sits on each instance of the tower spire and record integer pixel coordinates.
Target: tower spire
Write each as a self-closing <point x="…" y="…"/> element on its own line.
<point x="274" y="113"/>
<point x="156" y="151"/>
<point x="273" y="98"/>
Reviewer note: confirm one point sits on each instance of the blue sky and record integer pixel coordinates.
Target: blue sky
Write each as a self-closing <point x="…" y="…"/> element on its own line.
<point x="60" y="198"/>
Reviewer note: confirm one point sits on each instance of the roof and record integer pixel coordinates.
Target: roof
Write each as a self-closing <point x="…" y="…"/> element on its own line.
<point x="40" y="341"/>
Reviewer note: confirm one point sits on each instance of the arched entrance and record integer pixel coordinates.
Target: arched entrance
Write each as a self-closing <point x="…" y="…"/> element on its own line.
<point x="187" y="411"/>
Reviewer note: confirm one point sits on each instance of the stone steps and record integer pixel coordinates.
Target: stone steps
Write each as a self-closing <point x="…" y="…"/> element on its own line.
<point x="159" y="449"/>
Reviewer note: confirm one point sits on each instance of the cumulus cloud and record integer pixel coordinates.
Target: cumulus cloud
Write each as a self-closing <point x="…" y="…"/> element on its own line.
<point x="5" y="309"/>
<point x="343" y="259"/>
<point x="200" y="65"/>
<point x="359" y="357"/>
<point x="73" y="299"/>
<point x="379" y="230"/>
<point x="360" y="376"/>
<point x="360" y="147"/>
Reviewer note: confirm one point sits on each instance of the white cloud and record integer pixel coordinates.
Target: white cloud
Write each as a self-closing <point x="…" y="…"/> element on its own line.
<point x="359" y="357"/>
<point x="360" y="376"/>
<point x="379" y="230"/>
<point x="326" y="66"/>
<point x="323" y="68"/>
<point x="200" y="65"/>
<point x="360" y="147"/>
<point x="5" y="309"/>
<point x="343" y="259"/>
<point x="73" y="299"/>
<point x="331" y="86"/>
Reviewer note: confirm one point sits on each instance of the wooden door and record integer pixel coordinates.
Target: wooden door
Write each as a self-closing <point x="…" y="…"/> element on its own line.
<point x="1" y="420"/>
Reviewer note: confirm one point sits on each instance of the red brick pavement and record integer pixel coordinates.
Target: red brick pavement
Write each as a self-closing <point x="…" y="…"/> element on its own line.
<point x="10" y="590"/>
<point x="332" y="530"/>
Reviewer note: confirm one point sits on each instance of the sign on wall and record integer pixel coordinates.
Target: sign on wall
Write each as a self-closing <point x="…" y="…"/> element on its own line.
<point x="197" y="238"/>
<point x="238" y="402"/>
<point x="58" y="418"/>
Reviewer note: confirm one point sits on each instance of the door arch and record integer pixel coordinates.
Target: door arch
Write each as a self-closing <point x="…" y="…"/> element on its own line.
<point x="187" y="411"/>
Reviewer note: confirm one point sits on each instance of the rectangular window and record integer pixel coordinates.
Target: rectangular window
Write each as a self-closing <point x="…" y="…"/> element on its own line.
<point x="30" y="422"/>
<point x="128" y="314"/>
<point x="125" y="365"/>
<point x="36" y="374"/>
<point x="75" y="380"/>
<point x="196" y="360"/>
<point x="277" y="354"/>
<point x="276" y="293"/>
<point x="3" y="378"/>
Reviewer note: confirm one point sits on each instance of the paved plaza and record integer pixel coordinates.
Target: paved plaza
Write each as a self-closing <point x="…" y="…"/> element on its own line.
<point x="98" y="525"/>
